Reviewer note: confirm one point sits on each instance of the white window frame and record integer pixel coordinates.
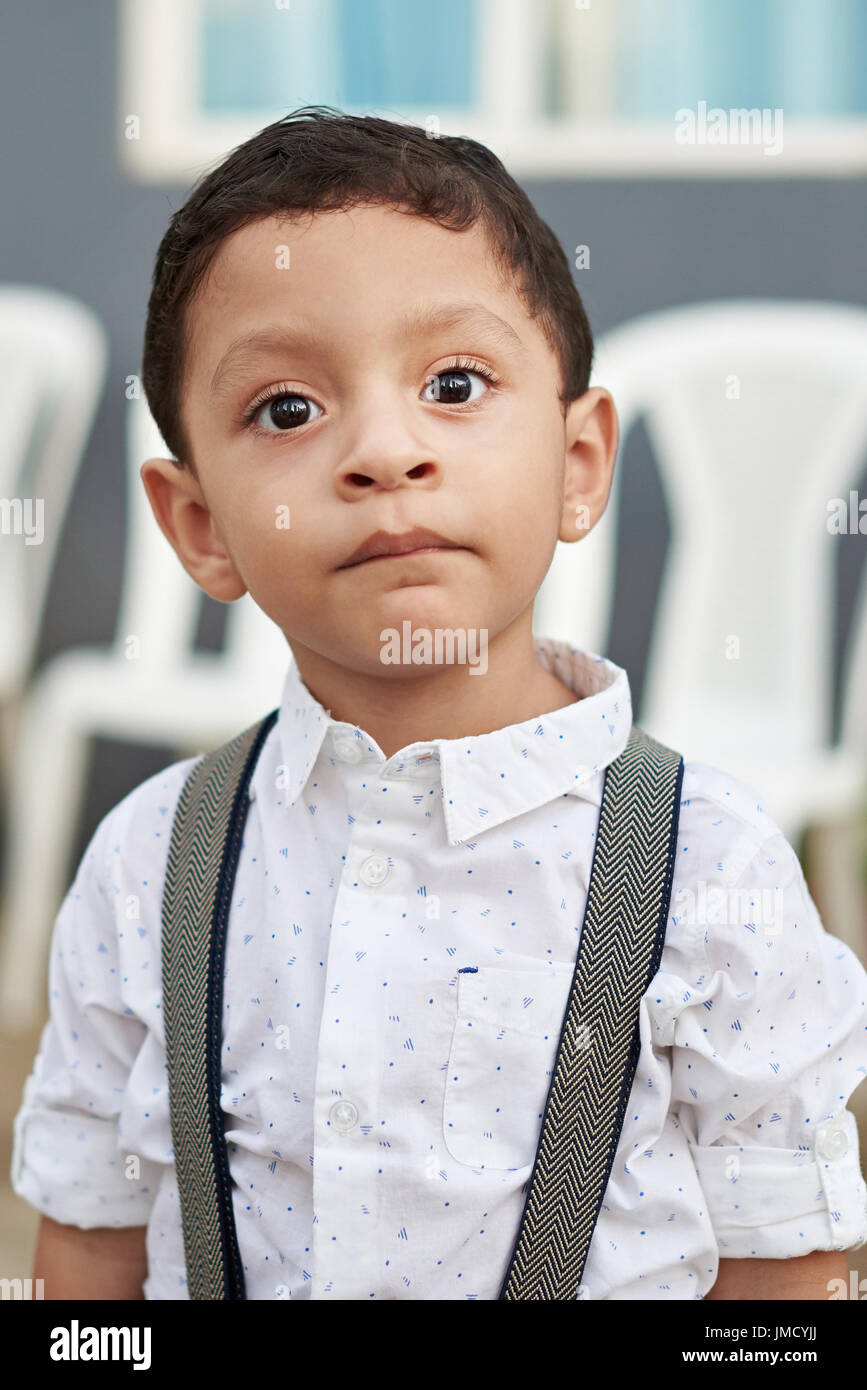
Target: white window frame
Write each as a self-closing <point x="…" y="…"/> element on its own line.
<point x="158" y="76"/>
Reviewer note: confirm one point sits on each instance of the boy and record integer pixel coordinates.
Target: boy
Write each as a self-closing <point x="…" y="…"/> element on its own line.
<point x="360" y="339"/>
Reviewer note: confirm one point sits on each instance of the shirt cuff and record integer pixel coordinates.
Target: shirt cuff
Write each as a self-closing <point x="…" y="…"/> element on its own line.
<point x="780" y="1203"/>
<point x="69" y="1166"/>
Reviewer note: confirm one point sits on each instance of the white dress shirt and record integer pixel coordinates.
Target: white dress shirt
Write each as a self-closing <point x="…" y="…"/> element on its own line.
<point x="399" y="954"/>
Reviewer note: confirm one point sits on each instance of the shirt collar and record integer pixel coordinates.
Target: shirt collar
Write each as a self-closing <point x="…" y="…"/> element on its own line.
<point x="486" y="778"/>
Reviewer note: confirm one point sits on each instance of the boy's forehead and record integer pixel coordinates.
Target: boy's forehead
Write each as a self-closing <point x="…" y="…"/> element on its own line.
<point x="336" y="241"/>
<point x="363" y="266"/>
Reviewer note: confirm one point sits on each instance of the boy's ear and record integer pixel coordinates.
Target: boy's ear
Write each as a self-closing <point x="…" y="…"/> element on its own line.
<point x="591" y="449"/>
<point x="183" y="516"/>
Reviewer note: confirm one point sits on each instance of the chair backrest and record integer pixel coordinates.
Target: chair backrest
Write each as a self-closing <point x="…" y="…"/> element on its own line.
<point x="853" y="721"/>
<point x="576" y="597"/>
<point x="53" y="362"/>
<point x="160" y="602"/>
<point x="756" y="412"/>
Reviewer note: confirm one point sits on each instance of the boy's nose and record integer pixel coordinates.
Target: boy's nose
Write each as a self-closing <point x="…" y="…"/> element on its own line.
<point x="387" y="473"/>
<point x="385" y="447"/>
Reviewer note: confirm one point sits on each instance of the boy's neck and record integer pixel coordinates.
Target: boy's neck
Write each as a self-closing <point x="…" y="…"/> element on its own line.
<point x="445" y="702"/>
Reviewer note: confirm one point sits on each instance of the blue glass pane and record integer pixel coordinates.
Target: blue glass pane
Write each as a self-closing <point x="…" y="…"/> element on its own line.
<point x="808" y="58"/>
<point x="395" y="54"/>
<point x="269" y="58"/>
<point x="355" y="54"/>
<point x="822" y="57"/>
<point x="858" y="58"/>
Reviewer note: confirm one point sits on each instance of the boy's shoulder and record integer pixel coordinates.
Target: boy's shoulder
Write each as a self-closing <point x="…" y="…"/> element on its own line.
<point x="132" y="839"/>
<point x="741" y="800"/>
<point x="724" y="816"/>
<point x="154" y="801"/>
<point x="156" y="797"/>
<point x="134" y="835"/>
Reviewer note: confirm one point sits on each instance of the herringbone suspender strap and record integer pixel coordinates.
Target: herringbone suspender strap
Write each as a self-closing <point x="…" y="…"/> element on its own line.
<point x="203" y="858"/>
<point x="618" y="955"/>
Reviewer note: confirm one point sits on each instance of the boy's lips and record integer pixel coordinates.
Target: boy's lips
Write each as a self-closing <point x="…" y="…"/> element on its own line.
<point x="384" y="543"/>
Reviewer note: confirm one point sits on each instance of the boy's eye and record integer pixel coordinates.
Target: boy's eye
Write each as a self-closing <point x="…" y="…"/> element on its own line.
<point x="284" y="412"/>
<point x="453" y="386"/>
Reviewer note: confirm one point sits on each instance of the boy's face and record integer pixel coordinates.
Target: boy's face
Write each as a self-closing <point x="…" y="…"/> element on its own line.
<point x="383" y="442"/>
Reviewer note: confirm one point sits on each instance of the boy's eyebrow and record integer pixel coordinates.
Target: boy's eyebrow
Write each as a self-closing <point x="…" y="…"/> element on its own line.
<point x="277" y="338"/>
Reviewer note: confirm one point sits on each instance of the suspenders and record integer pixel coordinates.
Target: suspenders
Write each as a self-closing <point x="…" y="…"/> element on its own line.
<point x="203" y="858"/>
<point x="619" y="951"/>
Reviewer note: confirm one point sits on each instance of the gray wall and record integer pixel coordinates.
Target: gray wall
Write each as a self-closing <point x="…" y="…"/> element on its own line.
<point x="70" y="219"/>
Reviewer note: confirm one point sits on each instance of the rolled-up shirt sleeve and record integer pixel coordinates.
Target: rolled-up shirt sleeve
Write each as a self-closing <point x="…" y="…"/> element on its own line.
<point x="768" y="1042"/>
<point x="68" y="1159"/>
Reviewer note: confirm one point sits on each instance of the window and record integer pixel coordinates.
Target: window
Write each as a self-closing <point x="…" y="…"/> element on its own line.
<point x="682" y="88"/>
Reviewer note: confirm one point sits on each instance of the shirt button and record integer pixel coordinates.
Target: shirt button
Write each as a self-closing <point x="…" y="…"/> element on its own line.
<point x="832" y="1143"/>
<point x="347" y="749"/>
<point x="343" y="1116"/>
<point x="374" y="870"/>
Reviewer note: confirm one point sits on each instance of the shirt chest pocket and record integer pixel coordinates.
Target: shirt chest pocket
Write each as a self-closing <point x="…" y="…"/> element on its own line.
<point x="503" y="1049"/>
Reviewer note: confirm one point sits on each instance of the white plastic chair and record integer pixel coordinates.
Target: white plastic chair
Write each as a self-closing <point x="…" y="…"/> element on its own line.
<point x="167" y="694"/>
<point x="839" y="844"/>
<point x="53" y="361"/>
<point x="757" y="415"/>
